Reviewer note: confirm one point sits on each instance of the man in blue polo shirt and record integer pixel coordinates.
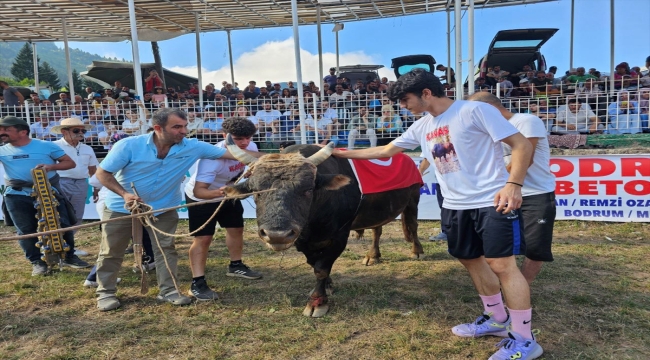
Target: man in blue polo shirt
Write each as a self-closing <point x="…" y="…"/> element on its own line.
<point x="156" y="164"/>
<point x="19" y="156"/>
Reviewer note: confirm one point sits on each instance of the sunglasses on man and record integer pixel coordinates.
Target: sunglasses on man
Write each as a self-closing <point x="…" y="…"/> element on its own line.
<point x="77" y="131"/>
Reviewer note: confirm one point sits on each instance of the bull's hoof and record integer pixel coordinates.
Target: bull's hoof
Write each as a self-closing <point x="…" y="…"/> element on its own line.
<point x="316" y="307"/>
<point x="417" y="256"/>
<point x="316" y="311"/>
<point x="368" y="260"/>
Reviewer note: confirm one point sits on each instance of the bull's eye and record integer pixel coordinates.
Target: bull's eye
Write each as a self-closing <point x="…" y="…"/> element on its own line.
<point x="309" y="192"/>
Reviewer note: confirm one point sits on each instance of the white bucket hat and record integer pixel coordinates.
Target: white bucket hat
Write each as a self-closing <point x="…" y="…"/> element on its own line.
<point x="67" y="123"/>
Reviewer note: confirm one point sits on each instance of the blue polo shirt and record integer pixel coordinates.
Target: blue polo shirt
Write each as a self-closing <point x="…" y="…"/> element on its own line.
<point x="158" y="181"/>
<point x="19" y="161"/>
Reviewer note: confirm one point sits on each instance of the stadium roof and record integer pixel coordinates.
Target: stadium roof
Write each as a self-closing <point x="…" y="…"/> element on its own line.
<point x="108" y="20"/>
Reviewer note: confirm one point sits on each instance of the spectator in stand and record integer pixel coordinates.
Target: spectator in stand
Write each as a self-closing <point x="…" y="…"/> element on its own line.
<point x="328" y="112"/>
<point x="523" y="74"/>
<point x="341" y="81"/>
<point x="152" y="81"/>
<point x="268" y="85"/>
<point x="117" y="89"/>
<point x="624" y="115"/>
<point x="524" y="89"/>
<point x="276" y="90"/>
<point x="556" y="84"/>
<point x="327" y="91"/>
<point x="576" y="119"/>
<point x="547" y="118"/>
<point x="268" y="120"/>
<point x="505" y="87"/>
<point x="362" y="125"/>
<point x="293" y="90"/>
<point x="193" y="90"/>
<point x="340" y="98"/>
<point x="242" y="112"/>
<point x="159" y="96"/>
<point x="147" y="100"/>
<point x="553" y="70"/>
<point x="251" y="92"/>
<point x="195" y="124"/>
<point x="579" y="77"/>
<point x="41" y="128"/>
<point x="287" y="97"/>
<point x="209" y="93"/>
<point x="480" y="85"/>
<point x="12" y="97"/>
<point x="63" y="99"/>
<point x="495" y="74"/>
<point x="624" y="78"/>
<point x="360" y="85"/>
<point x="331" y="78"/>
<point x="452" y="75"/>
<point x="264" y="94"/>
<point x="229" y="92"/>
<point x="212" y="124"/>
<point x="311" y="86"/>
<point x="133" y="124"/>
<point x="172" y="95"/>
<point x="108" y="97"/>
<point x="389" y="121"/>
<point x="541" y="85"/>
<point x="383" y="85"/>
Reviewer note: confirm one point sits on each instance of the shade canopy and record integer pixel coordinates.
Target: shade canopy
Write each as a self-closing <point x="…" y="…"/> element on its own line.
<point x="108" y="20"/>
<point x="106" y="73"/>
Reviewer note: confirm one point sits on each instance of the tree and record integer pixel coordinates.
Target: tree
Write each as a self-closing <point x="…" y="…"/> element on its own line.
<point x="156" y="57"/>
<point x="23" y="65"/>
<point x="49" y="75"/>
<point x="78" y="84"/>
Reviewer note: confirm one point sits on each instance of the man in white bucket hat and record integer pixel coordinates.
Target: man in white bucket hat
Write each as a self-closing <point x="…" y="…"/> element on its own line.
<point x="74" y="182"/>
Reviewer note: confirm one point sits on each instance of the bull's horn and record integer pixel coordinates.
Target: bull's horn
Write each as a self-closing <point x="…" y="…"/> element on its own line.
<point x="322" y="154"/>
<point x="238" y="153"/>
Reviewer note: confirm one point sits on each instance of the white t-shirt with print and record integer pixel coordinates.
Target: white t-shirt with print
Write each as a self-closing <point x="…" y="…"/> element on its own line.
<point x="539" y="179"/>
<point x="464" y="144"/>
<point x="217" y="172"/>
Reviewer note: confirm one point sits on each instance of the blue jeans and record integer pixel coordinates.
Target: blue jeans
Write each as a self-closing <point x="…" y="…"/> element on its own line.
<point x="23" y="214"/>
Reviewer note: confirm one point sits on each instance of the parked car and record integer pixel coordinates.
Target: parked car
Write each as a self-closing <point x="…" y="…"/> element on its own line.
<point x="403" y="64"/>
<point x="512" y="49"/>
<point x="366" y="73"/>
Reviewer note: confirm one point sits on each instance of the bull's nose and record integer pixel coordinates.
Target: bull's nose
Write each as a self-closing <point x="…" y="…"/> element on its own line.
<point x="280" y="236"/>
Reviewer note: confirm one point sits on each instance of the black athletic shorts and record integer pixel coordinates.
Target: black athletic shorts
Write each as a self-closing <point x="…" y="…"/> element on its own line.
<point x="483" y="232"/>
<point x="231" y="215"/>
<point x="538" y="212"/>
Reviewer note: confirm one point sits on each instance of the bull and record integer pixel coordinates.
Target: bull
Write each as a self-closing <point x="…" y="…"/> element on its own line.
<point x="315" y="204"/>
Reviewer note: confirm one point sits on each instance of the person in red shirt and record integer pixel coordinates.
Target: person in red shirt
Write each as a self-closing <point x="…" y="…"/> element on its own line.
<point x="152" y="81"/>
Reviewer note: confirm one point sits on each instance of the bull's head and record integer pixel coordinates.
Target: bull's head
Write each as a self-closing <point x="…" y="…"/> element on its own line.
<point x="283" y="212"/>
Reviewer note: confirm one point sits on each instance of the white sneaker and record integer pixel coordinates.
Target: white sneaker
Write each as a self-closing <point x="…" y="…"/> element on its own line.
<point x="79" y="252"/>
<point x="516" y="347"/>
<point x="147" y="267"/>
<point x="94" y="284"/>
<point x="483" y="326"/>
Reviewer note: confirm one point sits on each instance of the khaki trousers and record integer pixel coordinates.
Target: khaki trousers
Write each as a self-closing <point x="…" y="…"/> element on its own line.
<point x="115" y="239"/>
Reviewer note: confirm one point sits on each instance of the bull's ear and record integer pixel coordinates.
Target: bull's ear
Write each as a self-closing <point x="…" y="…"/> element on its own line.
<point x="238" y="189"/>
<point x="331" y="182"/>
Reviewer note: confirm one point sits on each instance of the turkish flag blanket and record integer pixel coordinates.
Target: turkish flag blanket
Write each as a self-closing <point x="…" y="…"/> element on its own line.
<point x="385" y="174"/>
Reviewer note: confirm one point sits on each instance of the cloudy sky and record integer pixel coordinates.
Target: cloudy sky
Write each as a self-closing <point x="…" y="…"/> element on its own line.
<point x="267" y="54"/>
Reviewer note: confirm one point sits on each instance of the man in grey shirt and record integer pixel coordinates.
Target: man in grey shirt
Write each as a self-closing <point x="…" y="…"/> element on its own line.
<point x="11" y="95"/>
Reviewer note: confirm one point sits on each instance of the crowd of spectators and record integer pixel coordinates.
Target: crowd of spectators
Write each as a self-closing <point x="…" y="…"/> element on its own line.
<point x="343" y="112"/>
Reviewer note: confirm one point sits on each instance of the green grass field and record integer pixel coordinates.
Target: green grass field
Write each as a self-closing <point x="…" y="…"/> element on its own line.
<point x="591" y="303"/>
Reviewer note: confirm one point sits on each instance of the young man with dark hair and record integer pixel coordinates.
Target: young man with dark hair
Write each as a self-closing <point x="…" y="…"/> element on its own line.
<point x="206" y="183"/>
<point x="19" y="155"/>
<point x="480" y="215"/>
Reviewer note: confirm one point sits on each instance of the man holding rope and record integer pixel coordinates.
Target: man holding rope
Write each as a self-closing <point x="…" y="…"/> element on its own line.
<point x="20" y="155"/>
<point x="206" y="183"/>
<point x="155" y="164"/>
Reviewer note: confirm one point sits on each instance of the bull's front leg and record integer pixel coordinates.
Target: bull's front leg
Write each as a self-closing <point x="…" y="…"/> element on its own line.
<point x="318" y="303"/>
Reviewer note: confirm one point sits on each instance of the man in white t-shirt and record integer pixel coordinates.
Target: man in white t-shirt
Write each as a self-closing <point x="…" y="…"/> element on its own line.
<point x="538" y="205"/>
<point x="269" y="119"/>
<point x="480" y="214"/>
<point x="206" y="183"/>
<point x="74" y="182"/>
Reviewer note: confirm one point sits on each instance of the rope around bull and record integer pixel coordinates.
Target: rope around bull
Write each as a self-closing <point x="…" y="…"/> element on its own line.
<point x="146" y="213"/>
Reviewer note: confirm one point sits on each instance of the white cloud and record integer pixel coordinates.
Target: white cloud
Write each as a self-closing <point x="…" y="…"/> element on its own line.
<point x="275" y="61"/>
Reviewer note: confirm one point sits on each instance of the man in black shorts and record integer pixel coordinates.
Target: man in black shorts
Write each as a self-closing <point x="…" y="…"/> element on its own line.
<point x="206" y="183"/>
<point x="480" y="214"/>
<point x="538" y="205"/>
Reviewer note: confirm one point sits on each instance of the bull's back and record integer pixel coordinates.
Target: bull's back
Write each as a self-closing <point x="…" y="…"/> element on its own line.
<point x="381" y="208"/>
